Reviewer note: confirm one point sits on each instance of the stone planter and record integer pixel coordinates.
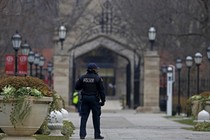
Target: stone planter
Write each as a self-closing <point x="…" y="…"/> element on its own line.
<point x="37" y="115"/>
<point x="197" y="107"/>
<point x="207" y="106"/>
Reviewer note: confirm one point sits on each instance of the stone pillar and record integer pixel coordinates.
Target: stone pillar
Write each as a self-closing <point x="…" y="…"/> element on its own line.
<point x="151" y="82"/>
<point x="120" y="78"/>
<point x="61" y="76"/>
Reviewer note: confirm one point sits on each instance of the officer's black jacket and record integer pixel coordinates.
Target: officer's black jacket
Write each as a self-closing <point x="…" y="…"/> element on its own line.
<point x="91" y="84"/>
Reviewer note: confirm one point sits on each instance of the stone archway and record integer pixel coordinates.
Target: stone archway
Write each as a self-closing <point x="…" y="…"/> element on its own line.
<point x="119" y="49"/>
<point x="63" y="71"/>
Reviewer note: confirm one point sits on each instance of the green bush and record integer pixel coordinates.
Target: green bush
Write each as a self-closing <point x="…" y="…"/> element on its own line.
<point x="202" y="126"/>
<point x="68" y="128"/>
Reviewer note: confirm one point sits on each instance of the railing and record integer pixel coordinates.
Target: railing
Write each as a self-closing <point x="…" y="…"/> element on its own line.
<point x="204" y="86"/>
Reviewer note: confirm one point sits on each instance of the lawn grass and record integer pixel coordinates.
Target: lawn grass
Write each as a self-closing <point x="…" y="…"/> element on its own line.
<point x="185" y="121"/>
<point x="182" y="119"/>
<point x="193" y="126"/>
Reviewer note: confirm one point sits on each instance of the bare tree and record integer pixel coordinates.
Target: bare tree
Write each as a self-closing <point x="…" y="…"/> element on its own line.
<point x="182" y="26"/>
<point x="35" y="20"/>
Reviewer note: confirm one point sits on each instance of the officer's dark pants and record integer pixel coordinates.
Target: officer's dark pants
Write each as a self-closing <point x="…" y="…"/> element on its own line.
<point x="90" y="103"/>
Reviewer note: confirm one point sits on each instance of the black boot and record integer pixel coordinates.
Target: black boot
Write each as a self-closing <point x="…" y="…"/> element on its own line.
<point x="99" y="137"/>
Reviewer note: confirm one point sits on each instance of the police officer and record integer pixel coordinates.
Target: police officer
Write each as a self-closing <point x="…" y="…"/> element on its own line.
<point x="93" y="97"/>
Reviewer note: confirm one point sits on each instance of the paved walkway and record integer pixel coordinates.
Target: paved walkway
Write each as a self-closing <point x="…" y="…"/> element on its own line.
<point x="128" y="125"/>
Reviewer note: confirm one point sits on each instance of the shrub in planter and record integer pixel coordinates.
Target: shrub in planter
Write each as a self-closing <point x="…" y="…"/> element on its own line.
<point x="19" y="96"/>
<point x="18" y="82"/>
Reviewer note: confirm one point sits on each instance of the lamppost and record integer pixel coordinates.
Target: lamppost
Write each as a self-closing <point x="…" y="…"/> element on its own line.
<point x="41" y="64"/>
<point x="208" y="55"/>
<point x="16" y="42"/>
<point x="31" y="60"/>
<point x="62" y="35"/>
<point x="25" y="48"/>
<point x="152" y="36"/>
<point x="179" y="67"/>
<point x="49" y="69"/>
<point x="163" y="97"/>
<point x="36" y="63"/>
<point x="198" y="60"/>
<point x="189" y="62"/>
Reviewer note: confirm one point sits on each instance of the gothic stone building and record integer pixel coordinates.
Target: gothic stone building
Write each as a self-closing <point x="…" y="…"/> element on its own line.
<point x="96" y="33"/>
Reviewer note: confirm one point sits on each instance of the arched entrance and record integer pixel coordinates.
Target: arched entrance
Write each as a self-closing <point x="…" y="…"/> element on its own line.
<point x="108" y="63"/>
<point x="115" y="62"/>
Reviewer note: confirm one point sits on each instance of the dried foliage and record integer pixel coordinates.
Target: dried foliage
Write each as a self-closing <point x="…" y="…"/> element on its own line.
<point x="205" y="94"/>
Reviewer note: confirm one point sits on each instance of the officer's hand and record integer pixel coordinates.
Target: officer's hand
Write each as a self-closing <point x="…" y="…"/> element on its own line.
<point x="101" y="103"/>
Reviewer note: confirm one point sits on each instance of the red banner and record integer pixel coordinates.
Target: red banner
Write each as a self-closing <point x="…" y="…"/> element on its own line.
<point x="22" y="64"/>
<point x="9" y="64"/>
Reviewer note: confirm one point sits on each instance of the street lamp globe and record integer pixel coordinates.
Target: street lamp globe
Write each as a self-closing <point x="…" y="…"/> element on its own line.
<point x="198" y="58"/>
<point x="189" y="61"/>
<point x="208" y="52"/>
<point x="164" y="69"/>
<point x="179" y="67"/>
<point x="178" y="64"/>
<point x="31" y="57"/>
<point x="152" y="34"/>
<point x="36" y="59"/>
<point x="41" y="61"/>
<point x="49" y="67"/>
<point x="31" y="60"/>
<point x="25" y="48"/>
<point x="170" y="70"/>
<point x="62" y="33"/>
<point x="41" y="64"/>
<point x="16" y="41"/>
<point x="36" y="63"/>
